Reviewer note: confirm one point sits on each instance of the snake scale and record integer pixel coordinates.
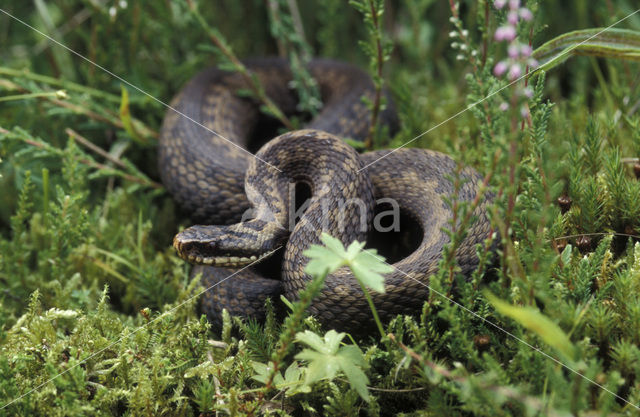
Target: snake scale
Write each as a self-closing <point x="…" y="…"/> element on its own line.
<point x="244" y="202"/>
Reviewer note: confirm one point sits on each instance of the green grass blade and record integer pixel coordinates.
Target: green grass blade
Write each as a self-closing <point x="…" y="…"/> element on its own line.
<point x="600" y="42"/>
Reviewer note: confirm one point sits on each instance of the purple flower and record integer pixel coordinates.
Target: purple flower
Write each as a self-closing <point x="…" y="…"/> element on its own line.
<point x="524" y="111"/>
<point x="504" y="106"/>
<point x="499" y="4"/>
<point x="526" y="50"/>
<point x="514" y="4"/>
<point x="500" y="68"/>
<point x="526" y="14"/>
<point x="505" y="33"/>
<point x="513" y="50"/>
<point x="512" y="18"/>
<point x="515" y="71"/>
<point x="528" y="92"/>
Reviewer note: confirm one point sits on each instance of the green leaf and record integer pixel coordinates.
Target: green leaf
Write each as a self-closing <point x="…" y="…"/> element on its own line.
<point x="532" y="319"/>
<point x="357" y="144"/>
<point x="332" y="243"/>
<point x="329" y="345"/>
<point x="566" y="254"/>
<point x="367" y="266"/>
<point x="321" y="366"/>
<point x="351" y="363"/>
<point x="293" y="382"/>
<point x="326" y="358"/>
<point x="286" y="302"/>
<point x="354" y="248"/>
<point x="323" y="260"/>
<point x="125" y="118"/>
<point x="292" y="373"/>
<point x="263" y="372"/>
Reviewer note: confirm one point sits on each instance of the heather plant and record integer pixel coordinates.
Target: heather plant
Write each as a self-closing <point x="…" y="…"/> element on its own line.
<point x="99" y="317"/>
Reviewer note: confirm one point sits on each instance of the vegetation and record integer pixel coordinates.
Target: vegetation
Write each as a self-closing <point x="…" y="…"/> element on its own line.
<point x="99" y="317"/>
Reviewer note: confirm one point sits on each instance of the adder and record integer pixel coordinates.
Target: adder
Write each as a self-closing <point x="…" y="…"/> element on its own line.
<point x="242" y="202"/>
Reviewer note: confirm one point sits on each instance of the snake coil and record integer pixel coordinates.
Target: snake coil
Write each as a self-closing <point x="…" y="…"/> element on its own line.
<point x="217" y="181"/>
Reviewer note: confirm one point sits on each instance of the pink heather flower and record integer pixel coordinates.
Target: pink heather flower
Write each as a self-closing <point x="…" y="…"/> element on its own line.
<point x="524" y="111"/>
<point x="505" y="33"/>
<point x="514" y="4"/>
<point x="504" y="106"/>
<point x="512" y="18"/>
<point x="499" y="4"/>
<point x="526" y="14"/>
<point x="513" y="51"/>
<point x="526" y="50"/>
<point x="500" y="68"/>
<point x="528" y="92"/>
<point x="514" y="72"/>
<point x="533" y="63"/>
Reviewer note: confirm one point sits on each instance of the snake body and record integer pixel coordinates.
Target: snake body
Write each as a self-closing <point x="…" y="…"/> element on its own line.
<point x="217" y="181"/>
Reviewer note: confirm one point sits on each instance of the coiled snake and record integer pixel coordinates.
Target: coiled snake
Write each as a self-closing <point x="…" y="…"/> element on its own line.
<point x="216" y="180"/>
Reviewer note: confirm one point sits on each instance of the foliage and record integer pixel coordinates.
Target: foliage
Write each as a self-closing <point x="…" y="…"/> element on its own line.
<point x="326" y="357"/>
<point x="378" y="49"/>
<point x="98" y="316"/>
<point x="286" y="28"/>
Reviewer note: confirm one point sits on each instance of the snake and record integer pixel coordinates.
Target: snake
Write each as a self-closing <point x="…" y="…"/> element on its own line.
<point x="241" y="201"/>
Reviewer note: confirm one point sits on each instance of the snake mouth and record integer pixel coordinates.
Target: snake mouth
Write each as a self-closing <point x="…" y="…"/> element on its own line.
<point x="199" y="252"/>
<point x="228" y="261"/>
<point x="221" y="246"/>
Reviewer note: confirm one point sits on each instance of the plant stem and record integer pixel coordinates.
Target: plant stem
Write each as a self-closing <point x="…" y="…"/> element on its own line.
<point x="292" y="324"/>
<point x="378" y="82"/>
<point x="67" y="85"/>
<point x="252" y="82"/>
<point x="373" y="309"/>
<point x="485" y="35"/>
<point x="140" y="178"/>
<point x="459" y="230"/>
<point x="88" y="144"/>
<point x="30" y="95"/>
<point x="61" y="99"/>
<point x="274" y="13"/>
<point x="297" y="19"/>
<point x="45" y="194"/>
<point x="508" y="392"/>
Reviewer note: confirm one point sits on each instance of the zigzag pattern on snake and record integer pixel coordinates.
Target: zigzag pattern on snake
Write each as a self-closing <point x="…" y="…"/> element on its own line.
<point x="216" y="182"/>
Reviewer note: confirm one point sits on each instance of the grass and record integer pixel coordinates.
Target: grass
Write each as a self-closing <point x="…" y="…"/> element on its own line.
<point x="91" y="290"/>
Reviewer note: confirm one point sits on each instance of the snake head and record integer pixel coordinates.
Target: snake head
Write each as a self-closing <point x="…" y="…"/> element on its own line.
<point x="232" y="246"/>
